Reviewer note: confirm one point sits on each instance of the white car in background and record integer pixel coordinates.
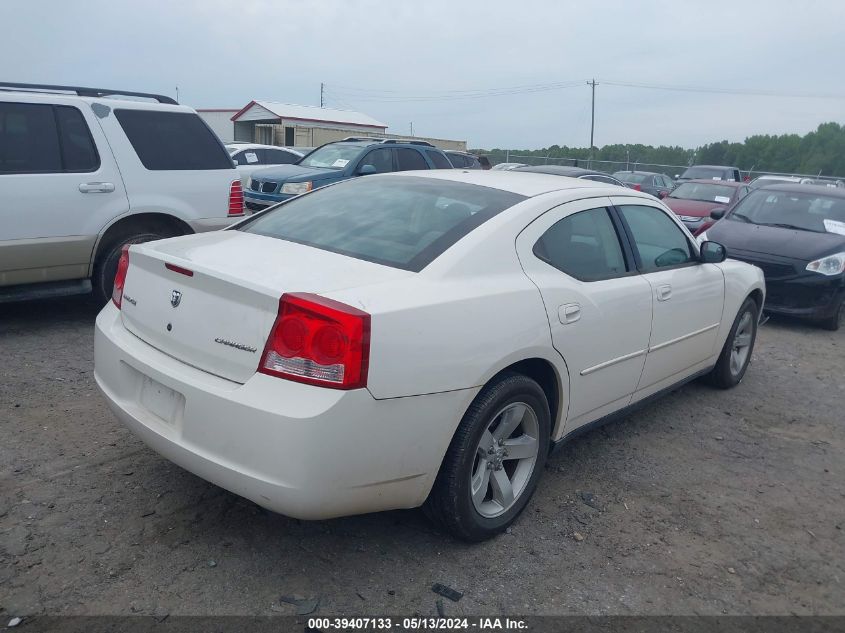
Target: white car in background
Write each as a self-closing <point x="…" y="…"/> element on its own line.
<point x="420" y="338"/>
<point x="250" y="157"/>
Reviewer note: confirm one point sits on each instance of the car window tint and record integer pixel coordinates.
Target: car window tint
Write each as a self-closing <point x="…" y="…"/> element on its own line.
<point x="584" y="245"/>
<point x="402" y="221"/>
<point x="381" y="159"/>
<point x="78" y="150"/>
<point x="440" y="161"/>
<point x="410" y="159"/>
<point x="279" y="157"/>
<point x="660" y="242"/>
<point x="172" y="140"/>
<point x="29" y="142"/>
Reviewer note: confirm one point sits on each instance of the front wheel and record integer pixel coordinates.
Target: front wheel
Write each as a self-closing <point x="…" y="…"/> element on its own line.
<point x="736" y="353"/>
<point x="837" y="319"/>
<point x="102" y="281"/>
<point x="495" y="459"/>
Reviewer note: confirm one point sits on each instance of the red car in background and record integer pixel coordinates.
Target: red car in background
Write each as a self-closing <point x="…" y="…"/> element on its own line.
<point x="693" y="200"/>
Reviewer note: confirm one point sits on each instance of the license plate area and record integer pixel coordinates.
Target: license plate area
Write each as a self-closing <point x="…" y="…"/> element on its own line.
<point x="163" y="402"/>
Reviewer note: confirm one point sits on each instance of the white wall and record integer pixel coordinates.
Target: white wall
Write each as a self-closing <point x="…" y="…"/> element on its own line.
<point x="220" y="121"/>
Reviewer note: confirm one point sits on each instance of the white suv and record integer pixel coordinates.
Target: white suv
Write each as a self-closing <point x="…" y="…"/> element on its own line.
<point x="83" y="173"/>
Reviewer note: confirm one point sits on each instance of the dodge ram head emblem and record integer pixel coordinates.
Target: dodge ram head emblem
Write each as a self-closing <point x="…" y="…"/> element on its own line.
<point x="175" y="298"/>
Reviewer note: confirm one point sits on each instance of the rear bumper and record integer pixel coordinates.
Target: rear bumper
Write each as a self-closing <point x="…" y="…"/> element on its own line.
<point x="300" y="450"/>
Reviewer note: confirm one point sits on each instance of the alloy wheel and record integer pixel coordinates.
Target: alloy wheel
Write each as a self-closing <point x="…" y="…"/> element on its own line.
<point x="741" y="347"/>
<point x="504" y="459"/>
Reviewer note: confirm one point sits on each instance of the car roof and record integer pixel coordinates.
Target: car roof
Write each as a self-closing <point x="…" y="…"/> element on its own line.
<point x="240" y="145"/>
<point x="560" y="170"/>
<point x="822" y="190"/>
<point x="637" y="171"/>
<point x="709" y="181"/>
<point x="524" y="183"/>
<point x="713" y="166"/>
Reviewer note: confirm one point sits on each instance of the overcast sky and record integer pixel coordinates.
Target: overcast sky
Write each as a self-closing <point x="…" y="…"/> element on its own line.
<point x="371" y="53"/>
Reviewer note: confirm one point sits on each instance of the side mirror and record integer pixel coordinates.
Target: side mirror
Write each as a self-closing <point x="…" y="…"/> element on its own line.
<point x="364" y="170"/>
<point x="718" y="213"/>
<point x="712" y="253"/>
<point x="662" y="194"/>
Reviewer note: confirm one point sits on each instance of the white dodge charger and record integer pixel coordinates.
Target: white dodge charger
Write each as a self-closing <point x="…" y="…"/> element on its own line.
<point x="423" y="338"/>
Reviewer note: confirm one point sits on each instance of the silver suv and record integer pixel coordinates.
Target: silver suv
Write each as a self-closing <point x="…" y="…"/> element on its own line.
<point x="82" y="173"/>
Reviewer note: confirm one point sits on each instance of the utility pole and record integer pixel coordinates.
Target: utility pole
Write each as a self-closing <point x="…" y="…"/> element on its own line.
<point x="412" y="128"/>
<point x="177" y="94"/>
<point x="321" y="94"/>
<point x="592" y="84"/>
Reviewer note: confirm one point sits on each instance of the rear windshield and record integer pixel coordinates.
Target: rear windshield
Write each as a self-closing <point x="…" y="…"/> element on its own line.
<point x="715" y="173"/>
<point x="400" y="221"/>
<point x="629" y="177"/>
<point x="704" y="192"/>
<point x="172" y="140"/>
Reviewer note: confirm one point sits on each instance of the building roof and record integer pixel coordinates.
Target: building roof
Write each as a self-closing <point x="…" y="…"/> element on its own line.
<point x="262" y="110"/>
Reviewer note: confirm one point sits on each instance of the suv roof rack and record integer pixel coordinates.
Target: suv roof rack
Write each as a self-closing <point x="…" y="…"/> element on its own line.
<point x="399" y="140"/>
<point x="84" y="92"/>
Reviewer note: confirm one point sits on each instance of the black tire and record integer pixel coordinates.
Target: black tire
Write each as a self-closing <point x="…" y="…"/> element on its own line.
<point x="837" y="319"/>
<point x="105" y="268"/>
<point x="723" y="376"/>
<point x="450" y="504"/>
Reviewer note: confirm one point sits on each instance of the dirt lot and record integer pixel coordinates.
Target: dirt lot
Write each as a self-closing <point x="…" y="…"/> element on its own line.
<point x="706" y="502"/>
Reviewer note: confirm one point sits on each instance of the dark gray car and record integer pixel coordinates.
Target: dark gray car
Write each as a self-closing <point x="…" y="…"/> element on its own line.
<point x="658" y="185"/>
<point x="573" y="172"/>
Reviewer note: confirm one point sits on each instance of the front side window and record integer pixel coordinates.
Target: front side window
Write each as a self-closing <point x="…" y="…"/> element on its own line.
<point x="29" y="140"/>
<point x="584" y="245"/>
<point x="172" y="141"/>
<point x="659" y="242"/>
<point x="410" y="159"/>
<point x="403" y="221"/>
<point x="41" y="138"/>
<point x="439" y="160"/>
<point x="381" y="159"/>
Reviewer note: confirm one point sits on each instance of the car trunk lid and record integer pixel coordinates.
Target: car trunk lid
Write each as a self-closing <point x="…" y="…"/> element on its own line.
<point x="214" y="305"/>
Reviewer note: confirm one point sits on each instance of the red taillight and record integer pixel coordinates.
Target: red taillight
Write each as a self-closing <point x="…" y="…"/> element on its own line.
<point x="236" y="198"/>
<point x="636" y="187"/>
<point x="318" y="341"/>
<point x="179" y="269"/>
<point x="120" y="276"/>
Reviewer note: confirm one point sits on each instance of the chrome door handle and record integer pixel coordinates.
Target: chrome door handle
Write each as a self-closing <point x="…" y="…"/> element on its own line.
<point x="664" y="293"/>
<point x="96" y="187"/>
<point x="569" y="313"/>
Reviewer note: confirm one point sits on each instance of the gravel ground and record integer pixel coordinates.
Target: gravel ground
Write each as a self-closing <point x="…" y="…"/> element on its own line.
<point x="706" y="502"/>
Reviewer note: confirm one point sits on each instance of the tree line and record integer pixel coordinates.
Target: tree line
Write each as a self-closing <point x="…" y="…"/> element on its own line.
<point x="821" y="151"/>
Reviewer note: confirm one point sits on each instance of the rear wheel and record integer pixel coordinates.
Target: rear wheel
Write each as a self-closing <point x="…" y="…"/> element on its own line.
<point x="736" y="354"/>
<point x="837" y="319"/>
<point x="105" y="268"/>
<point x="494" y="461"/>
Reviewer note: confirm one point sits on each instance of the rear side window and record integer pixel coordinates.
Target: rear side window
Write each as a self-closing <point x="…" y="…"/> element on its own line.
<point x="659" y="241"/>
<point x="41" y="138"/>
<point x="584" y="245"/>
<point x="439" y="160"/>
<point x="77" y="146"/>
<point x="172" y="140"/>
<point x="457" y="160"/>
<point x="400" y="221"/>
<point x="410" y="159"/>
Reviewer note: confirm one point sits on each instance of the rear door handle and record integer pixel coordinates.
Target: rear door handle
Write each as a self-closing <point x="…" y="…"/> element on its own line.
<point x="664" y="293"/>
<point x="569" y="313"/>
<point x="96" y="187"/>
